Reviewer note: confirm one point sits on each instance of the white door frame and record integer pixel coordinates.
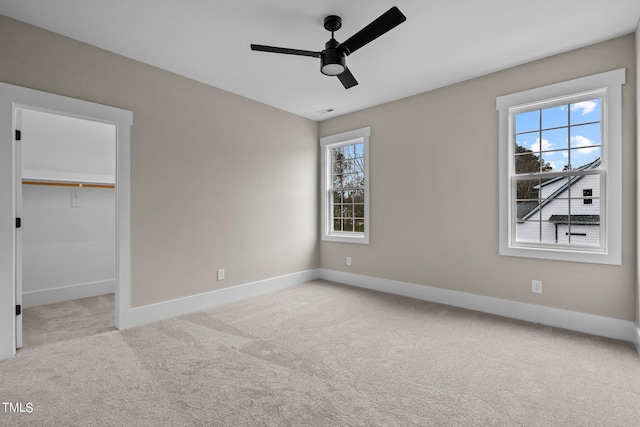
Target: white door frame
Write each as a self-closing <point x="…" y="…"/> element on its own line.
<point x="17" y="156"/>
<point x="11" y="98"/>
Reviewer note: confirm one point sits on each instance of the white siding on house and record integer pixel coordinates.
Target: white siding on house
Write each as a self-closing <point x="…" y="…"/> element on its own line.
<point x="537" y="228"/>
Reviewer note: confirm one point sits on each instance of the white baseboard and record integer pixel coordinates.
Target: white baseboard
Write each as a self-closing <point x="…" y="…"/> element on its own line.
<point x="572" y="320"/>
<point x="581" y="322"/>
<point x="177" y="307"/>
<point x="67" y="293"/>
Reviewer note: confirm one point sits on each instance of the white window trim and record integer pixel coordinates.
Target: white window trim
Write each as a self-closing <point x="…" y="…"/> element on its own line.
<point x="332" y="141"/>
<point x="611" y="82"/>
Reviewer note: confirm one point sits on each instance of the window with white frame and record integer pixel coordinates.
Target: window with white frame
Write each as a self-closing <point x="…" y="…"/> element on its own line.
<point x="345" y="186"/>
<point x="560" y="170"/>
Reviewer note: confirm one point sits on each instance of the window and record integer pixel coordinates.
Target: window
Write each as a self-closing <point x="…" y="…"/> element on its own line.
<point x="345" y="186"/>
<point x="560" y="170"/>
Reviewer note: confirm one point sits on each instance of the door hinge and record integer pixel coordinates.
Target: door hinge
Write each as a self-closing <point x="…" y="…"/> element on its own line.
<point x="18" y="222"/>
<point x="18" y="310"/>
<point x="18" y="135"/>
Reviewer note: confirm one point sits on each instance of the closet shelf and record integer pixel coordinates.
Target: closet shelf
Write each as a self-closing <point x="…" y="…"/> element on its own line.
<point x="68" y="184"/>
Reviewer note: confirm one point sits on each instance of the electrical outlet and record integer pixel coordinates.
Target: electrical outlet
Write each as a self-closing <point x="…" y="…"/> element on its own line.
<point x="348" y="260"/>
<point x="221" y="274"/>
<point x="536" y="286"/>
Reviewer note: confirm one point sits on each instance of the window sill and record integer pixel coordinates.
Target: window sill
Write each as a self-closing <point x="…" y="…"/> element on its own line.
<point x="594" y="256"/>
<point x="347" y="238"/>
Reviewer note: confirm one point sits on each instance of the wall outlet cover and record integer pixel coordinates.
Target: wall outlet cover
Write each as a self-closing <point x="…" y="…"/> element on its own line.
<point x="536" y="286"/>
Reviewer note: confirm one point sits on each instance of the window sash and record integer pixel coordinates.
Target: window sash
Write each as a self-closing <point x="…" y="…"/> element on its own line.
<point x="517" y="226"/>
<point x="573" y="204"/>
<point x="348" y="224"/>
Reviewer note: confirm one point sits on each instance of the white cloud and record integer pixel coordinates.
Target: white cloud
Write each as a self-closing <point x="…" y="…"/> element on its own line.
<point x="546" y="145"/>
<point x="583" y="142"/>
<point x="586" y="106"/>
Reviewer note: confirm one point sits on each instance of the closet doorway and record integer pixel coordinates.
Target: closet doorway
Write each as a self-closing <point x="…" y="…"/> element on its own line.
<point x="13" y="99"/>
<point x="67" y="245"/>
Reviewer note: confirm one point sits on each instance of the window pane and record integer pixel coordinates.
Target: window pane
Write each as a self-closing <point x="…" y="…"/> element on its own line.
<point x="527" y="163"/>
<point x="556" y="139"/>
<point x="358" y="196"/>
<point x="347" y="166"/>
<point x="547" y="233"/>
<point x="337" y="211"/>
<point x="527" y="121"/>
<point x="526" y="142"/>
<point x="348" y="211"/>
<point x="337" y="225"/>
<point x="359" y="165"/>
<point x="352" y="180"/>
<point x="585" y="185"/>
<point x="358" y="210"/>
<point x="528" y="231"/>
<point x="358" y="225"/>
<point x="586" y="111"/>
<point x="556" y="161"/>
<point x="555" y="117"/>
<point x="527" y="209"/>
<point x="586" y="135"/>
<point x="347" y="225"/>
<point x="337" y="196"/>
<point x="360" y="150"/>
<point x="585" y="157"/>
<point x="527" y="189"/>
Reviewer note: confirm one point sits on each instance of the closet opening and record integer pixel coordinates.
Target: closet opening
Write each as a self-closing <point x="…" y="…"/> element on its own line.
<point x="66" y="245"/>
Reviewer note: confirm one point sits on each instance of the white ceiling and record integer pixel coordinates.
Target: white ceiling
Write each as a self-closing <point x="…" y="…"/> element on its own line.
<point x="442" y="42"/>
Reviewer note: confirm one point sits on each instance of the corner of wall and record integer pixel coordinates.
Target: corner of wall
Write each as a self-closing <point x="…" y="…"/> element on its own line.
<point x="637" y="39"/>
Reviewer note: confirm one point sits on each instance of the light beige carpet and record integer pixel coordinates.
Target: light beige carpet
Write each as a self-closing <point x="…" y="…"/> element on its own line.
<point x="322" y="354"/>
<point x="66" y="320"/>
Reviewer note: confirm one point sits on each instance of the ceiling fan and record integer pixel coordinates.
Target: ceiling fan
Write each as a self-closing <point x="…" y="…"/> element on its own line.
<point x="332" y="58"/>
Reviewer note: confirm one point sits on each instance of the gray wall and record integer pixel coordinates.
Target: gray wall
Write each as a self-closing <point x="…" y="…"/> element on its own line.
<point x="64" y="245"/>
<point x="434" y="192"/>
<point x="217" y="180"/>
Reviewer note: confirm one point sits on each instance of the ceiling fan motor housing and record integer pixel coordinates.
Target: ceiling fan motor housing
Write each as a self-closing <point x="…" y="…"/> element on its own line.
<point x="332" y="61"/>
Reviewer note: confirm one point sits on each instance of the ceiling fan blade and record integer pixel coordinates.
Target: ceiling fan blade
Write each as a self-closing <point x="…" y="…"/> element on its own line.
<point x="347" y="79"/>
<point x="285" y="50"/>
<point x="385" y="22"/>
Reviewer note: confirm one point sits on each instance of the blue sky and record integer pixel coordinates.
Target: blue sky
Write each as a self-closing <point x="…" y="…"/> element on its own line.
<point x="547" y="132"/>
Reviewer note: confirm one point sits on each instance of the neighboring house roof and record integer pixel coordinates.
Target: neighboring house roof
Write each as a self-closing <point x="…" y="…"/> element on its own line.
<point x="575" y="219"/>
<point x="560" y="190"/>
<point x="524" y="208"/>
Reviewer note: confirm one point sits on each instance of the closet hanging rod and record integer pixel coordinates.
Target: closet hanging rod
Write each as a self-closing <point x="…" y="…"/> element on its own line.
<point x="68" y="184"/>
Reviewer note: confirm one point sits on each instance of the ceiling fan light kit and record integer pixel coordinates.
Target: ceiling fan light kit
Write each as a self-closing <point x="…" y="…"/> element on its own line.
<point x="332" y="61"/>
<point x="333" y="57"/>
